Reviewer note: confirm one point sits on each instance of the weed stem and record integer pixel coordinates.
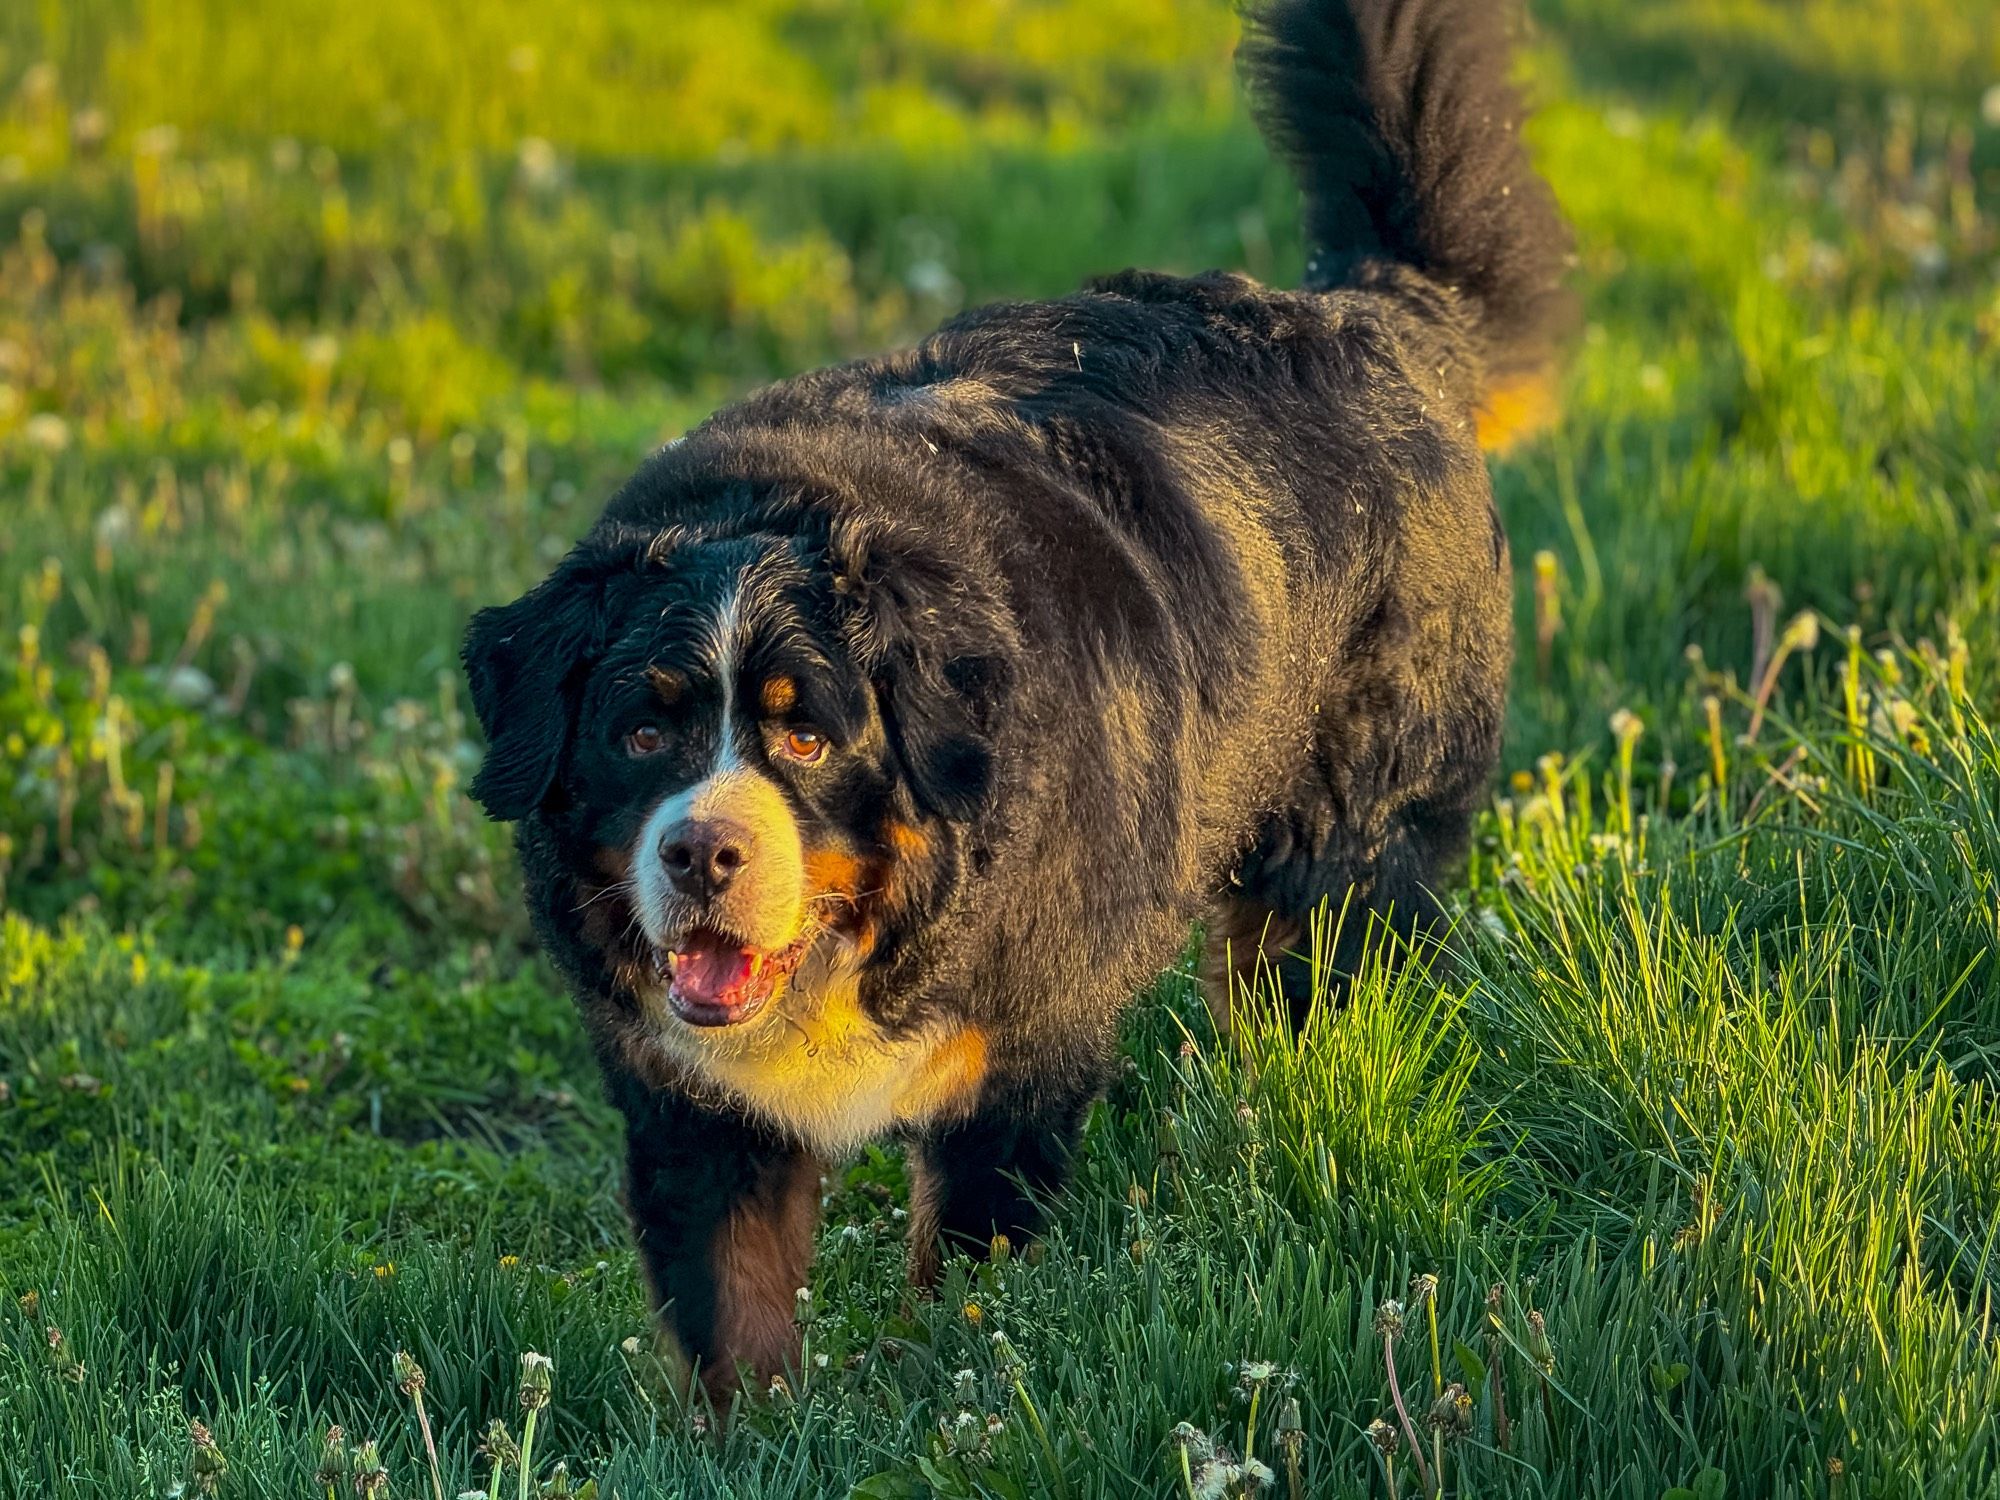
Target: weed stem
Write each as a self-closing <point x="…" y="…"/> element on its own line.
<point x="1402" y="1412"/>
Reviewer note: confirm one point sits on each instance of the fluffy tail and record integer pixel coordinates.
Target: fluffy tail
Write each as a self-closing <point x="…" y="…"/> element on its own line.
<point x="1399" y="120"/>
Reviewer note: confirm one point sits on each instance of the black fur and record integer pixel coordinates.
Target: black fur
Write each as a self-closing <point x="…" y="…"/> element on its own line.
<point x="1173" y="599"/>
<point x="1400" y="121"/>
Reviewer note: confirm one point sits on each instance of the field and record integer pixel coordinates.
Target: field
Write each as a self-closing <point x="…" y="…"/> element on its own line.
<point x="323" y="324"/>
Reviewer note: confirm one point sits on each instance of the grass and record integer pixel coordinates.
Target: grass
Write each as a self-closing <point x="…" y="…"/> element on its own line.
<point x="1695" y="1127"/>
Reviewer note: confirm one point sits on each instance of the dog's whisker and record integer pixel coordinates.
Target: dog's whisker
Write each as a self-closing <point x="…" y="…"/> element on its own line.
<point x="616" y="888"/>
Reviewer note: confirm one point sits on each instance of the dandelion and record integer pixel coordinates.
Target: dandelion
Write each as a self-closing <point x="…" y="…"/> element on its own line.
<point x="46" y="431"/>
<point x="1626" y="728"/>
<point x="410" y="1381"/>
<point x="1544" y="1355"/>
<point x="67" y="1365"/>
<point x="1802" y="634"/>
<point x="1451" y="1414"/>
<point x="537" y="1382"/>
<point x="1384" y="1439"/>
<point x="1389" y="1319"/>
<point x="1291" y="1442"/>
<point x="973" y="1313"/>
<point x="1764" y="597"/>
<point x="1548" y="612"/>
<point x="539" y="166"/>
<point x="1423" y="1293"/>
<point x="1718" y="756"/>
<point x="207" y="1466"/>
<point x="1012" y="1371"/>
<point x="501" y="1454"/>
<point x="1008" y="1366"/>
<point x="335" y="1462"/>
<point x="1539" y="1348"/>
<point x="370" y="1478"/>
<point x="188" y="687"/>
<point x="1193" y="1447"/>
<point x="1254" y="1376"/>
<point x="1388" y="1326"/>
<point x="968" y="1437"/>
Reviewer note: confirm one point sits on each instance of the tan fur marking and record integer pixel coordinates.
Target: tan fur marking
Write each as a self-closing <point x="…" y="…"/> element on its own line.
<point x="762" y="1255"/>
<point x="925" y="1265"/>
<point x="905" y="841"/>
<point x="1242" y="937"/>
<point x="833" y="870"/>
<point x="778" y="694"/>
<point x="1514" y="409"/>
<point x="948" y="1079"/>
<point x="668" y="685"/>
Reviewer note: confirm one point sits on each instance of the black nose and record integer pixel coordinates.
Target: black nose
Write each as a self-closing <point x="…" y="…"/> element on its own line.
<point x="703" y="856"/>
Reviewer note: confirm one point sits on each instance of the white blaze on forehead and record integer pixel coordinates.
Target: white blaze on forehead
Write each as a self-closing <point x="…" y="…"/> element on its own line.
<point x="727" y="635"/>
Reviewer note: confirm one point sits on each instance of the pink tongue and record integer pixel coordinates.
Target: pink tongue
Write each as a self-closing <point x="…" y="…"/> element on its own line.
<point x="707" y="970"/>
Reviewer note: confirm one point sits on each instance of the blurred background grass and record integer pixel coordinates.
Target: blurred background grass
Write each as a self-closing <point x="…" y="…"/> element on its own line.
<point x="322" y="324"/>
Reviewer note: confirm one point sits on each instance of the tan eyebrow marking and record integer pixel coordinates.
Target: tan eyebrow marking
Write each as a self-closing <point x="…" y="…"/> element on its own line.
<point x="778" y="694"/>
<point x="669" y="685"/>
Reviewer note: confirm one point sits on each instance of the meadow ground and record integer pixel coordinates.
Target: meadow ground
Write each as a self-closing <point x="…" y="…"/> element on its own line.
<point x="321" y="324"/>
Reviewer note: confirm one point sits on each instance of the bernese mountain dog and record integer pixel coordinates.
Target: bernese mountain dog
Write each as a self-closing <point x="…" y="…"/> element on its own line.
<point x="893" y="729"/>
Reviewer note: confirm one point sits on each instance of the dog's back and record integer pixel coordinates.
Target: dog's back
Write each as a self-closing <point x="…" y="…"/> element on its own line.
<point x="1247" y="533"/>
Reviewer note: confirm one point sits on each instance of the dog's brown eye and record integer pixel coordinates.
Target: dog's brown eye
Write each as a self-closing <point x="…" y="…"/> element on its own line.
<point x="805" y="744"/>
<point x="644" y="739"/>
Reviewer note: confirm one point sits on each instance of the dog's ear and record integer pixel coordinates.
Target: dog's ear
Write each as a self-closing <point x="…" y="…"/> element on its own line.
<point x="940" y="727"/>
<point x="523" y="661"/>
<point x="937" y="649"/>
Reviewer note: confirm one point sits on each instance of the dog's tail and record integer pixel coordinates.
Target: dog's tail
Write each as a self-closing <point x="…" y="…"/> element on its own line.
<point x="1399" y="120"/>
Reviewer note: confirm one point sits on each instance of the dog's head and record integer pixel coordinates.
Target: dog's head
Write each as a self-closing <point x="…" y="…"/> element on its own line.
<point x="758" y="744"/>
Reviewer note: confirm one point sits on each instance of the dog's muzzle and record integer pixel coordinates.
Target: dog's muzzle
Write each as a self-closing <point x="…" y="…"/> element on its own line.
<point x="721" y="896"/>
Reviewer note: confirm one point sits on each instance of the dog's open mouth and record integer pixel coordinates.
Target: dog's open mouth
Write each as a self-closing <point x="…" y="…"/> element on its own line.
<point x="714" y="980"/>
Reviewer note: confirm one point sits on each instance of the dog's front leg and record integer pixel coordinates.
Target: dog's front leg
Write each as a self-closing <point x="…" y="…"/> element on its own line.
<point x="724" y="1213"/>
<point x="989" y="1175"/>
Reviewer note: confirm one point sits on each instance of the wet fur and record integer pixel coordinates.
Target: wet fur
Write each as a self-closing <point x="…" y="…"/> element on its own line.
<point x="1175" y="599"/>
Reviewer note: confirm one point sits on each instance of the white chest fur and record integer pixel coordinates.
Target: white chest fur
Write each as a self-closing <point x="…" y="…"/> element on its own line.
<point x="824" y="1072"/>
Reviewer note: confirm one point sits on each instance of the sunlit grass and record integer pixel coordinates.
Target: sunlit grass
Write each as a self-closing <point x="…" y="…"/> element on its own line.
<point x="1693" y="1123"/>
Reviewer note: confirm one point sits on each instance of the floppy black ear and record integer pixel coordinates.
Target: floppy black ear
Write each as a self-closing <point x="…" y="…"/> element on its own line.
<point x="937" y="646"/>
<point x="523" y="661"/>
<point x="938" y="727"/>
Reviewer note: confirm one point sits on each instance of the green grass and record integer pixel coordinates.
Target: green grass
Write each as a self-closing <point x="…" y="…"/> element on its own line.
<point x="302" y="362"/>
